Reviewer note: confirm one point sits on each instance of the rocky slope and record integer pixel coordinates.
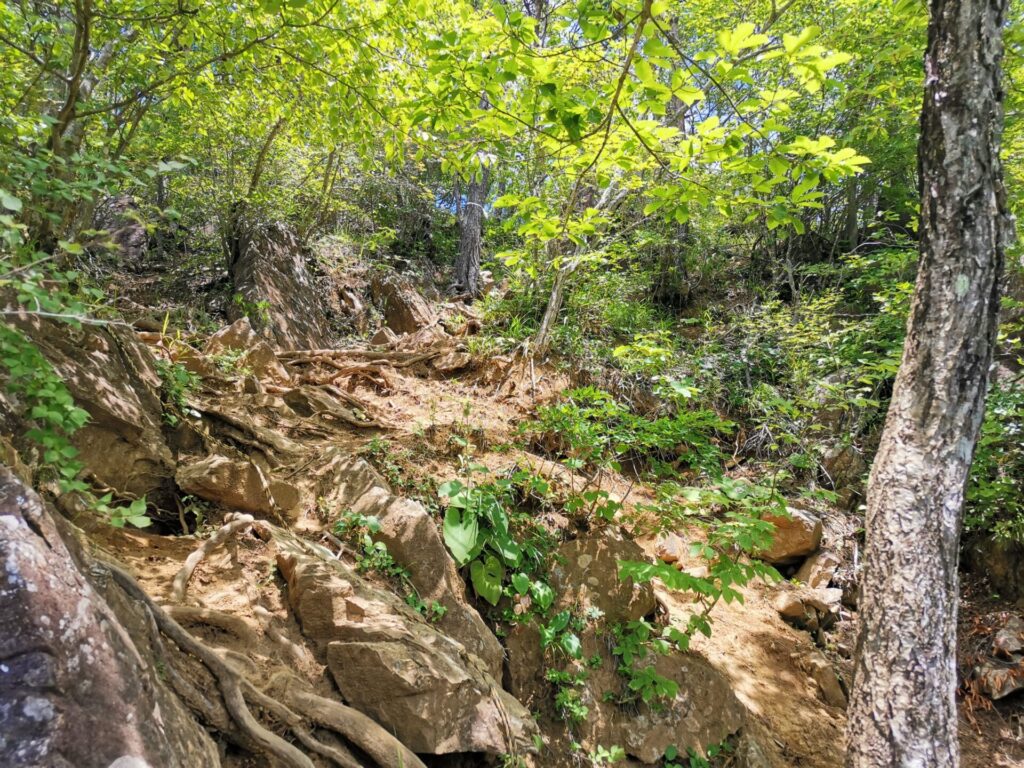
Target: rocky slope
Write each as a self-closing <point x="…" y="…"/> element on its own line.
<point x="238" y="630"/>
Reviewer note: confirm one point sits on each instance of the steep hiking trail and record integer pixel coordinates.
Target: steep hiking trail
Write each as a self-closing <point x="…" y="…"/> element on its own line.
<point x="297" y="597"/>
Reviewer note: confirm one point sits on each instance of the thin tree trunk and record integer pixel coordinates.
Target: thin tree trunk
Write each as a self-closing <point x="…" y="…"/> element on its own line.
<point x="261" y="158"/>
<point x="852" y="226"/>
<point x="609" y="201"/>
<point x="554" y="306"/>
<point x="471" y="218"/>
<point x="903" y="708"/>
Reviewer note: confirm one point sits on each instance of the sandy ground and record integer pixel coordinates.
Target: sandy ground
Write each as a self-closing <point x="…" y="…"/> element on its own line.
<point x="759" y="653"/>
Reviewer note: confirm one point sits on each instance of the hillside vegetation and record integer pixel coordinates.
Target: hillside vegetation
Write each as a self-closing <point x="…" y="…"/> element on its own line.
<point x="457" y="383"/>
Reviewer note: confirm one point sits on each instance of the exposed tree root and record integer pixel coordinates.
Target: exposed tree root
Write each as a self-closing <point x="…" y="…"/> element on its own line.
<point x="188" y="614"/>
<point x="229" y="681"/>
<point x="396" y="359"/>
<point x="210" y="710"/>
<point x="365" y="733"/>
<point x="298" y="653"/>
<point x="180" y="584"/>
<point x="289" y="705"/>
<point x="281" y="445"/>
<point x="337" y="754"/>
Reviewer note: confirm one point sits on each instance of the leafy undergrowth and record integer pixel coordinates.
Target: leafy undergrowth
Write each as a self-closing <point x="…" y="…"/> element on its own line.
<point x="509" y="482"/>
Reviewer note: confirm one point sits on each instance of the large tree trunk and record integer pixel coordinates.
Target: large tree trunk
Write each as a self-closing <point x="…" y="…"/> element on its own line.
<point x="471" y="219"/>
<point x="902" y="708"/>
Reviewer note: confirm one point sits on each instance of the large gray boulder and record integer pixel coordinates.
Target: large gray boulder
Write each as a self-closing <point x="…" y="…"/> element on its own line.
<point x="79" y="686"/>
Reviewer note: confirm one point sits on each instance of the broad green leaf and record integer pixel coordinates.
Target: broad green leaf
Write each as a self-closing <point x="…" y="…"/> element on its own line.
<point x="461" y="533"/>
<point x="487" y="575"/>
<point x="9" y="201"/>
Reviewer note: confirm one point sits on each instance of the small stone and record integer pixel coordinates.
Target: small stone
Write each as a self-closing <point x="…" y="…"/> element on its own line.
<point x="452" y="361"/>
<point x="828" y="682"/>
<point x="383" y="338"/>
<point x="670" y="548"/>
<point x="807" y="608"/>
<point x="262" y="361"/>
<point x="818" y="569"/>
<point x="997" y="680"/>
<point x="1009" y="640"/>
<point x="251" y="386"/>
<point x="796" y="535"/>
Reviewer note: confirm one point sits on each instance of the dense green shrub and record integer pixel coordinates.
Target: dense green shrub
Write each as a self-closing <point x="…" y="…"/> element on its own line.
<point x="995" y="494"/>
<point x="590" y="426"/>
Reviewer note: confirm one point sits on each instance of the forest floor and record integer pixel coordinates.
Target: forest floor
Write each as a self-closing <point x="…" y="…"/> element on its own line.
<point x="764" y="658"/>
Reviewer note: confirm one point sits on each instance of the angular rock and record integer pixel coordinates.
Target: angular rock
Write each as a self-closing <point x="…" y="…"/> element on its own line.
<point x="450" y="362"/>
<point x="1001" y="561"/>
<point x="844" y="469"/>
<point x="818" y="569"/>
<point x="413" y="540"/>
<point x="233" y="483"/>
<point x="268" y="269"/>
<point x="430" y="337"/>
<point x="997" y="680"/>
<point x="286" y="495"/>
<point x="112" y="375"/>
<point x="586" y="575"/>
<point x="705" y="711"/>
<point x="78" y="684"/>
<point x="120" y="217"/>
<point x="237" y="337"/>
<point x="486" y="281"/>
<point x="1009" y="640"/>
<point x="388" y="662"/>
<point x="808" y="608"/>
<point x="405" y="310"/>
<point x="1003" y="673"/>
<point x="193" y="361"/>
<point x="797" y="535"/>
<point x="670" y="548"/>
<point x="824" y="674"/>
<point x="263" y="362"/>
<point x="383" y="338"/>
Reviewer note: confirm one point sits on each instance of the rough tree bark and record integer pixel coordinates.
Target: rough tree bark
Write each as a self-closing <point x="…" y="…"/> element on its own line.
<point x="471" y="217"/>
<point x="902" y="708"/>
